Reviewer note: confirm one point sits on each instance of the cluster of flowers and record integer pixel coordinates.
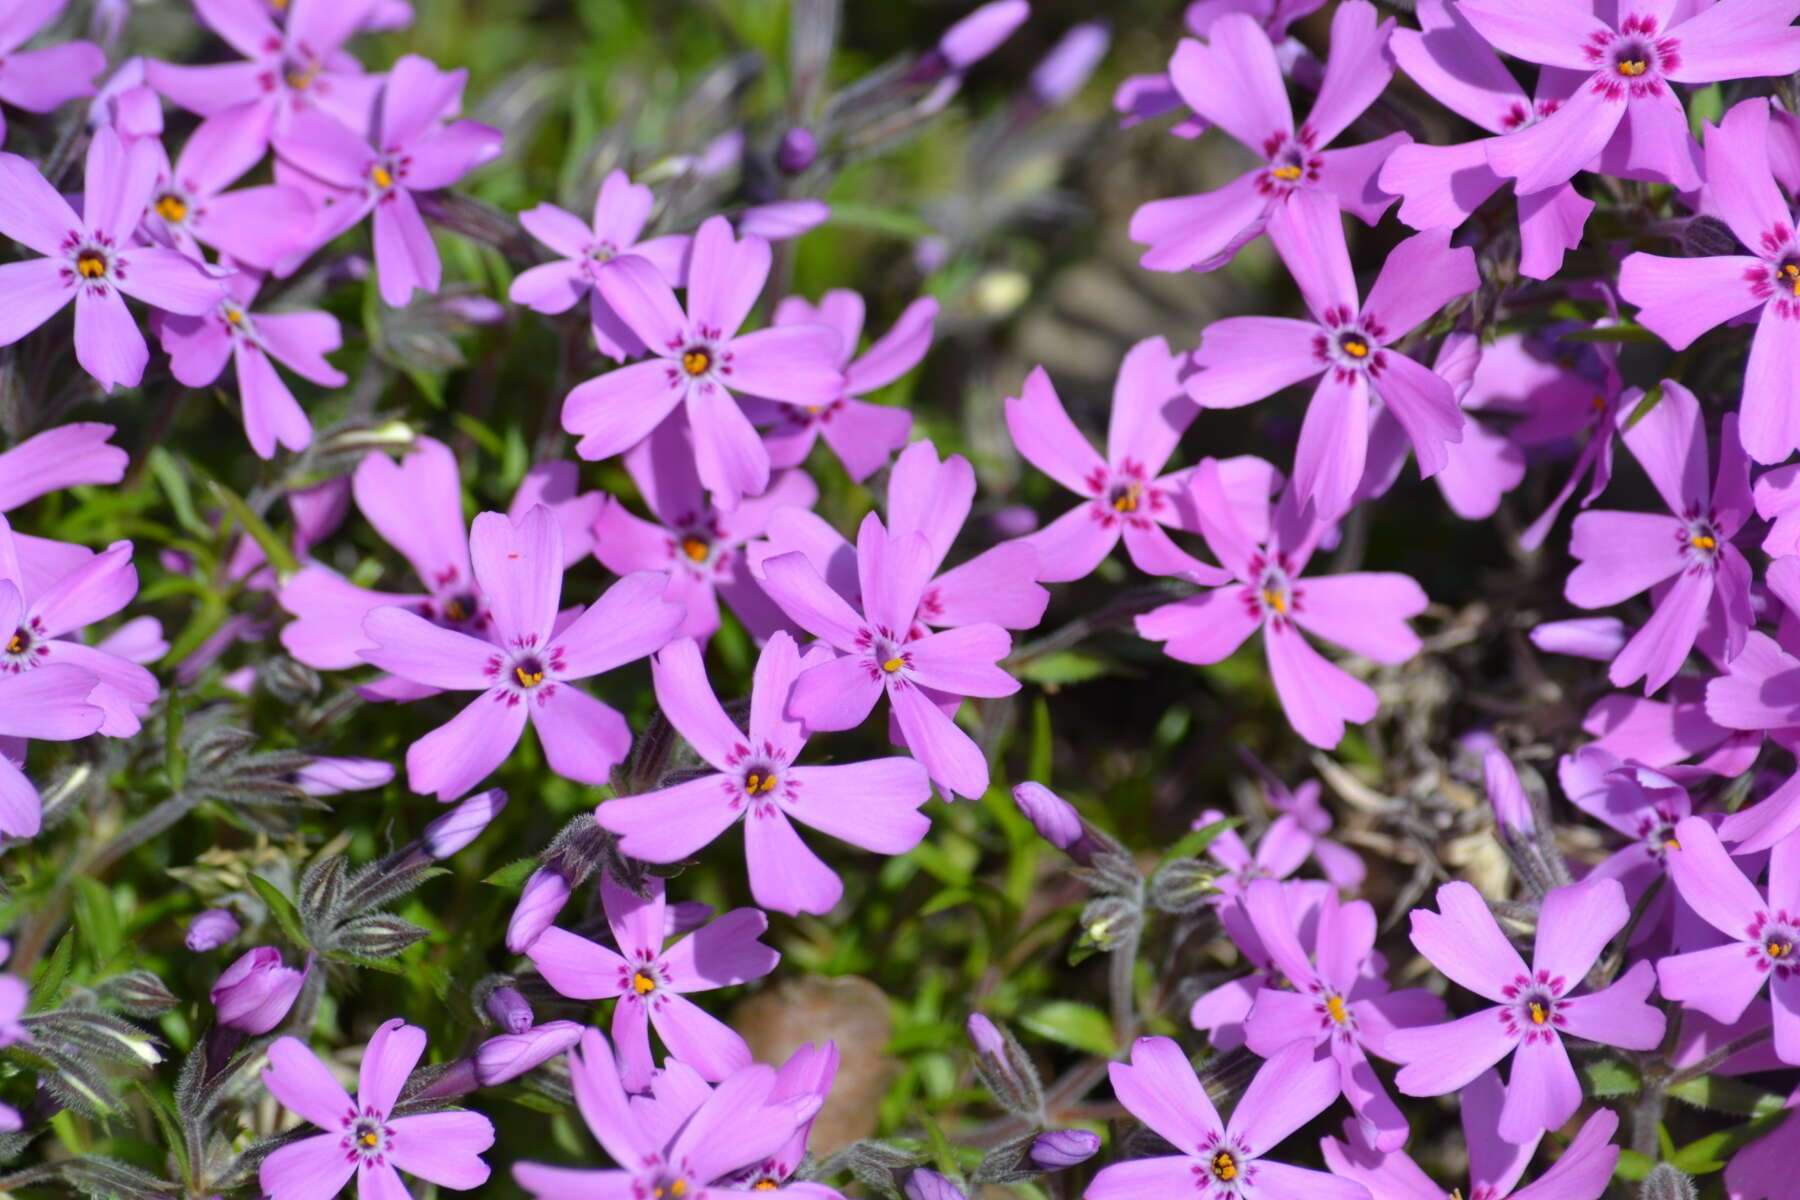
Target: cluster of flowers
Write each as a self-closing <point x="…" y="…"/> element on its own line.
<point x="714" y="425"/>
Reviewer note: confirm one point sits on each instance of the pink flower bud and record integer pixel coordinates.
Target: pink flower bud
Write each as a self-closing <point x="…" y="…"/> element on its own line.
<point x="211" y="929"/>
<point x="544" y="895"/>
<point x="512" y="1054"/>
<point x="256" y="991"/>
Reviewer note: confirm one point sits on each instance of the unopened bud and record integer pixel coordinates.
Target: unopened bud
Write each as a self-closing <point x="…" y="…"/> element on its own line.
<point x="926" y="1184"/>
<point x="140" y="993"/>
<point x="510" y="1010"/>
<point x="512" y="1054"/>
<point x="780" y="220"/>
<point x="1512" y="809"/>
<point x="1056" y="821"/>
<point x="1005" y="1068"/>
<point x="1061" y="1148"/>
<point x="1061" y="73"/>
<point x="544" y="896"/>
<point x="254" y="993"/>
<point x="1182" y="886"/>
<point x="331" y="776"/>
<point x="211" y="929"/>
<point x="1667" y="1182"/>
<point x="797" y="151"/>
<point x="379" y="935"/>
<point x="463" y="824"/>
<point x="1109" y="922"/>
<point x="970" y="40"/>
<point x="288" y="681"/>
<point x="1709" y="237"/>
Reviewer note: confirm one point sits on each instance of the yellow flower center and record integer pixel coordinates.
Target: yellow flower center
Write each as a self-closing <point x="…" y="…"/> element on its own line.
<point x="234" y="315"/>
<point x="1355" y="347"/>
<point x="695" y="362"/>
<point x="1791" y="273"/>
<point x="1778" y="948"/>
<point x="91" y="264"/>
<point x="643" y="985"/>
<point x="456" y="610"/>
<point x="171" y="208"/>
<point x="1702" y="541"/>
<point x="1127" y="500"/>
<point x="1538" y="1013"/>
<point x="1335" y="1006"/>
<point x="893" y="664"/>
<point x="757" y="783"/>
<point x="528" y="679"/>
<point x="694" y="548"/>
<point x="1633" y="67"/>
<point x="1671" y="844"/>
<point x="381" y="176"/>
<point x="17" y="645"/>
<point x="1276" y="600"/>
<point x="764" y="1185"/>
<point x="1287" y="173"/>
<point x="676" y="1188"/>
<point x="370" y="1139"/>
<point x="1224" y="1166"/>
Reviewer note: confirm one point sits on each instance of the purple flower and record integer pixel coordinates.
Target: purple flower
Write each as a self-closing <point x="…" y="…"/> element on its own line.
<point x="1340" y="864"/>
<point x="1234" y="81"/>
<point x="703" y="1137"/>
<point x="873" y="805"/>
<point x="1628" y="67"/>
<point x="409" y="151"/>
<point x="528" y="671"/>
<point x="189" y="206"/>
<point x="362" y="1136"/>
<point x="861" y="434"/>
<point x="1341" y="1004"/>
<point x="1059" y="1149"/>
<point x="652" y="983"/>
<point x="1581" y="1172"/>
<point x="1642" y="804"/>
<point x="1764" y="1170"/>
<point x="211" y="929"/>
<point x="1126" y="497"/>
<point x="932" y="498"/>
<point x="254" y="993"/>
<point x="199" y="345"/>
<point x="1622" y="554"/>
<point x="1682" y="298"/>
<point x="1763" y="931"/>
<point x="38" y="619"/>
<point x="56" y="459"/>
<point x="796" y="151"/>
<point x="1760" y="693"/>
<point x="90" y="259"/>
<point x="1365" y="612"/>
<point x="701" y="361"/>
<point x="509" y="1009"/>
<point x="925" y="675"/>
<point x="1283" y="846"/>
<point x="1442" y="186"/>
<point x="806" y="1077"/>
<point x="1349" y="343"/>
<point x="1219" y="1160"/>
<point x="43" y="79"/>
<point x="512" y="1054"/>
<point x="700" y="549"/>
<point x="1145" y="97"/>
<point x="463" y="824"/>
<point x="1533" y="1009"/>
<point x="416" y="506"/>
<point x="620" y="212"/>
<point x="295" y="67"/>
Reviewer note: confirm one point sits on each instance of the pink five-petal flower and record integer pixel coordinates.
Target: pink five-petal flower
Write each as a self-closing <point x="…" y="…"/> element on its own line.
<point x="50" y="703"/>
<point x="701" y="549"/>
<point x="255" y="342"/>
<point x="1234" y="81"/>
<point x="1126" y="496"/>
<point x="873" y="805"/>
<point x="1145" y="97"/>
<point x="1441" y="186"/>
<point x="1221" y="1160"/>
<point x="1763" y="929"/>
<point x="681" y="1140"/>
<point x="1365" y="612"/>
<point x="1348" y="342"/>
<point x="1681" y="298"/>
<point x="363" y="1136"/>
<point x="932" y="497"/>
<point x="90" y="259"/>
<point x="861" y="434"/>
<point x="701" y="362"/>
<point x="651" y="983"/>
<point x="409" y="149"/>
<point x="42" y="79"/>
<point x="416" y="506"/>
<point x="38" y="627"/>
<point x="1624" y="111"/>
<point x="189" y="206"/>
<point x="620" y="211"/>
<point x="1341" y="865"/>
<point x="1621" y="554"/>
<point x="1581" y="1172"/>
<point x="59" y="458"/>
<point x="527" y="671"/>
<point x="1533" y="1009"/>
<point x="295" y="67"/>
<point x="925" y="675"/>
<point x="1339" y="1003"/>
<point x="1644" y="805"/>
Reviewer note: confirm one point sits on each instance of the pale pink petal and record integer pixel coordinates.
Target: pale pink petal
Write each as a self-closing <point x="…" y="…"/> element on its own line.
<point x="457" y="755"/>
<point x="1550" y="224"/>
<point x="1421" y="275"/>
<point x="405" y="257"/>
<point x="1365" y="613"/>
<point x="1244" y="359"/>
<point x="1442" y="1058"/>
<point x="1308" y="233"/>
<point x="795" y="364"/>
<point x="1543" y="1091"/>
<point x="1048" y="439"/>
<point x="613" y="412"/>
<point x="416" y="506"/>
<point x="837" y="694"/>
<point x="630" y="620"/>
<point x="1681" y="298"/>
<point x="785" y="875"/>
<point x="32" y="212"/>
<point x="997" y="585"/>
<point x="1710" y="882"/>
<point x="1201" y="231"/>
<point x="698" y="1038"/>
<point x="1737" y="39"/>
<point x="951" y="755"/>
<point x="1160" y="1089"/>
<point x="873" y="805"/>
<point x="722" y="953"/>
<point x="304" y="1085"/>
<point x="1202" y="629"/>
<point x="392" y="1053"/>
<point x="1719" y="982"/>
<point x="1770" y="425"/>
<point x="1463" y="941"/>
<point x="107" y="342"/>
<point x="583" y="738"/>
<point x="35" y="291"/>
<point x="271" y="414"/>
<point x="578" y="968"/>
<point x="418" y="650"/>
<point x="314" y="1168"/>
<point x="673" y="823"/>
<point x="1234" y="80"/>
<point x="687" y="700"/>
<point x="1334" y="442"/>
<point x="443" y="1147"/>
<point x="1424" y="404"/>
<point x="639" y="294"/>
<point x="1357" y="71"/>
<point x="1621" y="554"/>
<point x="963" y="662"/>
<point x="1551" y="32"/>
<point x="1556" y="148"/>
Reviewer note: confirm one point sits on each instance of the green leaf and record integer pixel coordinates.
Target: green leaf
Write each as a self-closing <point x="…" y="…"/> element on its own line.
<point x="1609" y="1077"/>
<point x="273" y="548"/>
<point x="98" y="919"/>
<point x="513" y="874"/>
<point x="941" y="1151"/>
<point x="1073" y="1024"/>
<point x="1613" y="333"/>
<point x="1194" y="843"/>
<point x="1042" y="748"/>
<point x="879" y="220"/>
<point x="283" y="910"/>
<point x="1651" y="399"/>
<point x="1062" y="667"/>
<point x="46" y="989"/>
<point x="174" y="484"/>
<point x="1726" y="1095"/>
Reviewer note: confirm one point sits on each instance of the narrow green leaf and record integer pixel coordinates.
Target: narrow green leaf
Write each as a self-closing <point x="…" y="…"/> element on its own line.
<point x="1194" y="843"/>
<point x="1073" y="1024"/>
<point x="273" y="548"/>
<point x="283" y="910"/>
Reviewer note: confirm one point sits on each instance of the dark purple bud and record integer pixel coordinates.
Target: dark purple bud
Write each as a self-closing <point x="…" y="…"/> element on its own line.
<point x="463" y="824"/>
<point x="211" y="929"/>
<point x="512" y="1054"/>
<point x="797" y="151"/>
<point x="1056" y="820"/>
<point x="544" y="895"/>
<point x="1061" y="73"/>
<point x="1061" y="1148"/>
<point x="926" y="1184"/>
<point x="510" y="1010"/>
<point x="256" y="991"/>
